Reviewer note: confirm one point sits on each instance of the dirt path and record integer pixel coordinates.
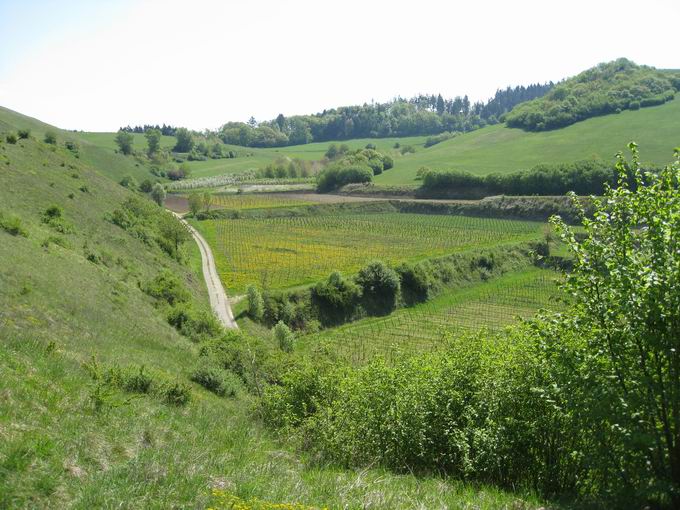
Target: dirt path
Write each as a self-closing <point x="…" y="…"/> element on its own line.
<point x="218" y="298"/>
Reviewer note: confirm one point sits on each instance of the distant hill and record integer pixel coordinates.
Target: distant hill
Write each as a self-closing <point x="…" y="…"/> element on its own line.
<point x="607" y="88"/>
<point x="502" y="149"/>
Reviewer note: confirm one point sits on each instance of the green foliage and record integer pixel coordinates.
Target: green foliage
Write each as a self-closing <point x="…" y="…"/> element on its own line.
<point x="283" y="337"/>
<point x="336" y="176"/>
<point x="146" y="186"/>
<point x="11" y="138"/>
<point x="12" y="225"/>
<point x="24" y="134"/>
<point x="185" y="140"/>
<point x="50" y="137"/>
<point x="607" y="88"/>
<point x="168" y="288"/>
<point x="129" y="182"/>
<point x="177" y="394"/>
<point x="417" y="282"/>
<point x="581" y="177"/>
<point x="255" y="303"/>
<point x="196" y="324"/>
<point x="216" y="379"/>
<point x="441" y="137"/>
<point x="153" y="141"/>
<point x="54" y="217"/>
<point x="124" y="140"/>
<point x="407" y="149"/>
<point x="158" y="194"/>
<point x="335" y="300"/>
<point x="379" y="288"/>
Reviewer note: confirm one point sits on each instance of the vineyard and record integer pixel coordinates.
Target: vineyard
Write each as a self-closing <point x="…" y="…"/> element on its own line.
<point x="279" y="253"/>
<point x="486" y="306"/>
<point x="255" y="201"/>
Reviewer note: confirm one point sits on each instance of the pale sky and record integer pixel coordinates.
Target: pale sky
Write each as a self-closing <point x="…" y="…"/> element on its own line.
<point x="96" y="65"/>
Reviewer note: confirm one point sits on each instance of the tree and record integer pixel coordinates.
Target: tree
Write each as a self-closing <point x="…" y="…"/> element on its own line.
<point x="158" y="194"/>
<point x="153" y="140"/>
<point x="441" y="107"/>
<point x="252" y="122"/>
<point x="185" y="141"/>
<point x="616" y="357"/>
<point x="195" y="202"/>
<point x="380" y="288"/>
<point x="280" y="121"/>
<point x="173" y="234"/>
<point x="124" y="140"/>
<point x="284" y="337"/>
<point x="255" y="303"/>
<point x="206" y="200"/>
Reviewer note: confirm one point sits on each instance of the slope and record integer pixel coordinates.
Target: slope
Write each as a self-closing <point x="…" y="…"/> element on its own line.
<point x="73" y="313"/>
<point x="502" y="149"/>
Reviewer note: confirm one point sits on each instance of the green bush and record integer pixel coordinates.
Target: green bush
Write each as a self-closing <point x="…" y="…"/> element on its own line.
<point x="336" y="176"/>
<point x="50" y="137"/>
<point x="168" y="288"/>
<point x="379" y="288"/>
<point x="417" y="282"/>
<point x="284" y="337"/>
<point x="198" y="325"/>
<point x="146" y="186"/>
<point x="11" y="138"/>
<point x="335" y="300"/>
<point x="129" y="182"/>
<point x="136" y="381"/>
<point x="177" y="394"/>
<point x="255" y="303"/>
<point x="218" y="380"/>
<point x="24" y="134"/>
<point x="12" y="225"/>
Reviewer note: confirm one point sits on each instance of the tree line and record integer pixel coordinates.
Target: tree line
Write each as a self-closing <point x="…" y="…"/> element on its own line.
<point x="164" y="129"/>
<point x="420" y="115"/>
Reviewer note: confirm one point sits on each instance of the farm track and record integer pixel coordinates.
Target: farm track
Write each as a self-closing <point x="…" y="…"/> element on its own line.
<point x="218" y="298"/>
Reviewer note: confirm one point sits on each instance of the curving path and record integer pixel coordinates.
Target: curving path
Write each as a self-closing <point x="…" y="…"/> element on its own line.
<point x="218" y="298"/>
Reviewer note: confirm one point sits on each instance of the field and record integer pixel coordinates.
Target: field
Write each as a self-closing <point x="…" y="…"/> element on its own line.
<point x="490" y="305"/>
<point x="108" y="140"/>
<point x="491" y="149"/>
<point x="289" y="251"/>
<point x="501" y="149"/>
<point x="256" y="201"/>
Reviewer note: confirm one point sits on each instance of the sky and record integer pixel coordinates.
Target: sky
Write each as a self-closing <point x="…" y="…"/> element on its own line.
<point x="96" y="65"/>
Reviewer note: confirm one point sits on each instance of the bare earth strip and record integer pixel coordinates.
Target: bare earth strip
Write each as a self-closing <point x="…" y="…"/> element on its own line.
<point x="218" y="298"/>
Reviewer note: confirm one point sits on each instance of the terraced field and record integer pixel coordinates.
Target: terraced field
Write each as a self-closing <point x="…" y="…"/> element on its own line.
<point x="491" y="306"/>
<point x="256" y="201"/>
<point x="285" y="252"/>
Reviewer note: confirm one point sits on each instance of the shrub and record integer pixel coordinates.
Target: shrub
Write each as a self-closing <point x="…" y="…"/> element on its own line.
<point x="407" y="149"/>
<point x="379" y="288"/>
<point x="12" y="225"/>
<point x="197" y="325"/>
<point x="11" y="138"/>
<point x="24" y="134"/>
<point x="388" y="162"/>
<point x="50" y="137"/>
<point x="255" y="303"/>
<point x="284" y="337"/>
<point x="128" y="182"/>
<point x="146" y="186"/>
<point x="213" y="378"/>
<point x="335" y="300"/>
<point x="177" y="394"/>
<point x="167" y="287"/>
<point x="336" y="176"/>
<point x="136" y="381"/>
<point x="71" y="146"/>
<point x="416" y="282"/>
<point x="158" y="194"/>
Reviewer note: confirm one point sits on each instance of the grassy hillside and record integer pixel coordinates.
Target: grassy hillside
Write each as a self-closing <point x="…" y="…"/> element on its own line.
<point x="502" y="149"/>
<point x="107" y="140"/>
<point x="71" y="304"/>
<point x="93" y="152"/>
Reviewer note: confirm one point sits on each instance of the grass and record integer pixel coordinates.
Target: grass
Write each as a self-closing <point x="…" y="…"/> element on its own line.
<point x="255" y="201"/>
<point x="501" y="149"/>
<point x="290" y="251"/>
<point x="58" y="309"/>
<point x="108" y="140"/>
<point x="490" y="305"/>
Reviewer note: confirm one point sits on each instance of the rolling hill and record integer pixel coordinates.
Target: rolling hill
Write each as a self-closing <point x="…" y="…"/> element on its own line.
<point x="96" y="406"/>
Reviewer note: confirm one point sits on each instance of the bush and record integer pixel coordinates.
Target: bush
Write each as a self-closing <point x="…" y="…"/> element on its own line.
<point x="129" y="182"/>
<point x="71" y="146"/>
<point x="407" y="149"/>
<point x="197" y="325"/>
<point x="137" y="382"/>
<point x="335" y="300"/>
<point x="379" y="288"/>
<point x="284" y="337"/>
<point x="218" y="380"/>
<point x="51" y="137"/>
<point x="146" y="186"/>
<point x="168" y="288"/>
<point x="336" y="176"/>
<point x="255" y="303"/>
<point x="24" y="134"/>
<point x="12" y="225"/>
<point x="11" y="138"/>
<point x="416" y="282"/>
<point x="177" y="394"/>
<point x="158" y="194"/>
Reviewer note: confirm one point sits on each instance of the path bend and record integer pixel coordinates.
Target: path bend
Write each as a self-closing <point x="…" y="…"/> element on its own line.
<point x="218" y="297"/>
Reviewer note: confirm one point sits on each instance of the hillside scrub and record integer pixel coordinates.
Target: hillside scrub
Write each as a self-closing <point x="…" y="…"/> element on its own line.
<point x="582" y="404"/>
<point x="607" y="88"/>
